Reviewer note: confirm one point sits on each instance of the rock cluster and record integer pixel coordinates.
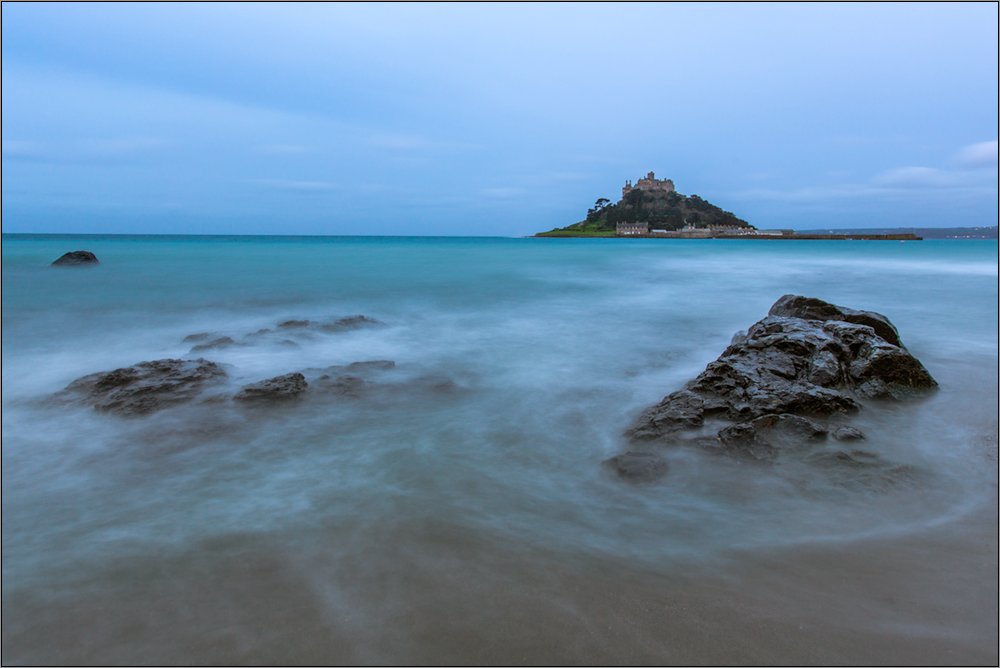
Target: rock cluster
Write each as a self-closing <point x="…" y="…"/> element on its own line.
<point x="300" y="328"/>
<point x="807" y="360"/>
<point x="148" y="386"/>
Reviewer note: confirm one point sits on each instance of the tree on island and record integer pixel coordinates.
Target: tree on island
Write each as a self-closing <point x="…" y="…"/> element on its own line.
<point x="598" y="207"/>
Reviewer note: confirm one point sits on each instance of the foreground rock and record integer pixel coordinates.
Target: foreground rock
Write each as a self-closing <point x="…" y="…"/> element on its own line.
<point x="801" y="362"/>
<point x="773" y="388"/>
<point x="76" y="259"/>
<point x="148" y="386"/>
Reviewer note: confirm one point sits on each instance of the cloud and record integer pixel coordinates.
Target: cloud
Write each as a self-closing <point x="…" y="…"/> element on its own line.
<point x="285" y="149"/>
<point x="22" y="150"/>
<point x="83" y="151"/>
<point x="299" y="186"/>
<point x="503" y="193"/>
<point x="983" y="154"/>
<point x="915" y="177"/>
<point x="398" y="142"/>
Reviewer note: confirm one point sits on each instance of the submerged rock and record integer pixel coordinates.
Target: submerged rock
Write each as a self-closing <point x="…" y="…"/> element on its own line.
<point x="372" y="365"/>
<point x="293" y="324"/>
<point x="766" y="436"/>
<point x="862" y="471"/>
<point x="637" y="467"/>
<point x="148" y="386"/>
<point x="76" y="259"/>
<point x="279" y="388"/>
<point x="345" y="386"/>
<point x="347" y="381"/>
<point x="215" y="344"/>
<point x="353" y="322"/>
<point x="848" y="434"/>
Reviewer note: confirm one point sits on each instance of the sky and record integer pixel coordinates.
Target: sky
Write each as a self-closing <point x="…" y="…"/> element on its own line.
<point x="492" y="119"/>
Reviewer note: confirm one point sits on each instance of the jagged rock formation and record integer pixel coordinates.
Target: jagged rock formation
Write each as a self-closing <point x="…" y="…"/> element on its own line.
<point x="772" y="388"/>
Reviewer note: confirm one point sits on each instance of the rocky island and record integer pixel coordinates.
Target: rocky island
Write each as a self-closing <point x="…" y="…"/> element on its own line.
<point x="653" y="209"/>
<point x="650" y="206"/>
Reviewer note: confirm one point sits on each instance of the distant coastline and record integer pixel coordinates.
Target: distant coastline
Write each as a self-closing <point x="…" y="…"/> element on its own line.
<point x="986" y="232"/>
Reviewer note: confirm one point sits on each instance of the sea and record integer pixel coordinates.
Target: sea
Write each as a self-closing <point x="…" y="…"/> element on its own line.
<point x="456" y="509"/>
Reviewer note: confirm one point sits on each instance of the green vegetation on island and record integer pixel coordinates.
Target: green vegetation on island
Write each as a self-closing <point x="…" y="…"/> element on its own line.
<point x="650" y="201"/>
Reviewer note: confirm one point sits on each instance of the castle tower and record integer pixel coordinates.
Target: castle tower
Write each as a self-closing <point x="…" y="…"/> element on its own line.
<point x="649" y="183"/>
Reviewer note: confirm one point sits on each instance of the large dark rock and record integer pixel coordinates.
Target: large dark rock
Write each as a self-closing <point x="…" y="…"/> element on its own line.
<point x="778" y="389"/>
<point x="148" y="386"/>
<point x="807" y="358"/>
<point x="76" y="259"/>
<point x="279" y="388"/>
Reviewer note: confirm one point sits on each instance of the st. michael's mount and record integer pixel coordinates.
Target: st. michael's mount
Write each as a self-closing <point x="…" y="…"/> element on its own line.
<point x="652" y="208"/>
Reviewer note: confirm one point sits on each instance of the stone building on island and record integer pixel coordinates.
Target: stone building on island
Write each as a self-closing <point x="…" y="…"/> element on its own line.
<point x="649" y="183"/>
<point x="632" y="229"/>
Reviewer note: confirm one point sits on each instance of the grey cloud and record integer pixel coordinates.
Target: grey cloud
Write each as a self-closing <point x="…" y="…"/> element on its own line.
<point x="915" y="177"/>
<point x="983" y="154"/>
<point x="83" y="151"/>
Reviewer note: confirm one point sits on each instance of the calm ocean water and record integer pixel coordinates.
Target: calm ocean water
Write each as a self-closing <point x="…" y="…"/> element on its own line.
<point x="475" y="462"/>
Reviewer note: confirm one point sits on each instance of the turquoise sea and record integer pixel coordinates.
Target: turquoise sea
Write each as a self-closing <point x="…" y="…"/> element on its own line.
<point x="456" y="510"/>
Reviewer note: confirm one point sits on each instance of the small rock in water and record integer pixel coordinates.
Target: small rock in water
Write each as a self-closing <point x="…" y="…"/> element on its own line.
<point x="346" y="386"/>
<point x="354" y="322"/>
<point x="637" y="466"/>
<point x="848" y="434"/>
<point x="374" y="365"/>
<point x="294" y="324"/>
<point x="257" y="334"/>
<point x="76" y="259"/>
<point x="194" y="338"/>
<point x="279" y="388"/>
<point x="223" y="342"/>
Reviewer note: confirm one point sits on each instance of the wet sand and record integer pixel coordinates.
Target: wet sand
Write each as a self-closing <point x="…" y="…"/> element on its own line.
<point x="926" y="598"/>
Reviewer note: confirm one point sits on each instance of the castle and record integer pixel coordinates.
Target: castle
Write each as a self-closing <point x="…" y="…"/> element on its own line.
<point x="649" y="183"/>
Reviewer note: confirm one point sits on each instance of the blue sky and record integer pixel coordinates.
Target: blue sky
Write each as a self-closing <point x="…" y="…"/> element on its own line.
<point x="502" y="119"/>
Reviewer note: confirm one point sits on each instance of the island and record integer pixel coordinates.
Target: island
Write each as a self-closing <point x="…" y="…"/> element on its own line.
<point x="653" y="209"/>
